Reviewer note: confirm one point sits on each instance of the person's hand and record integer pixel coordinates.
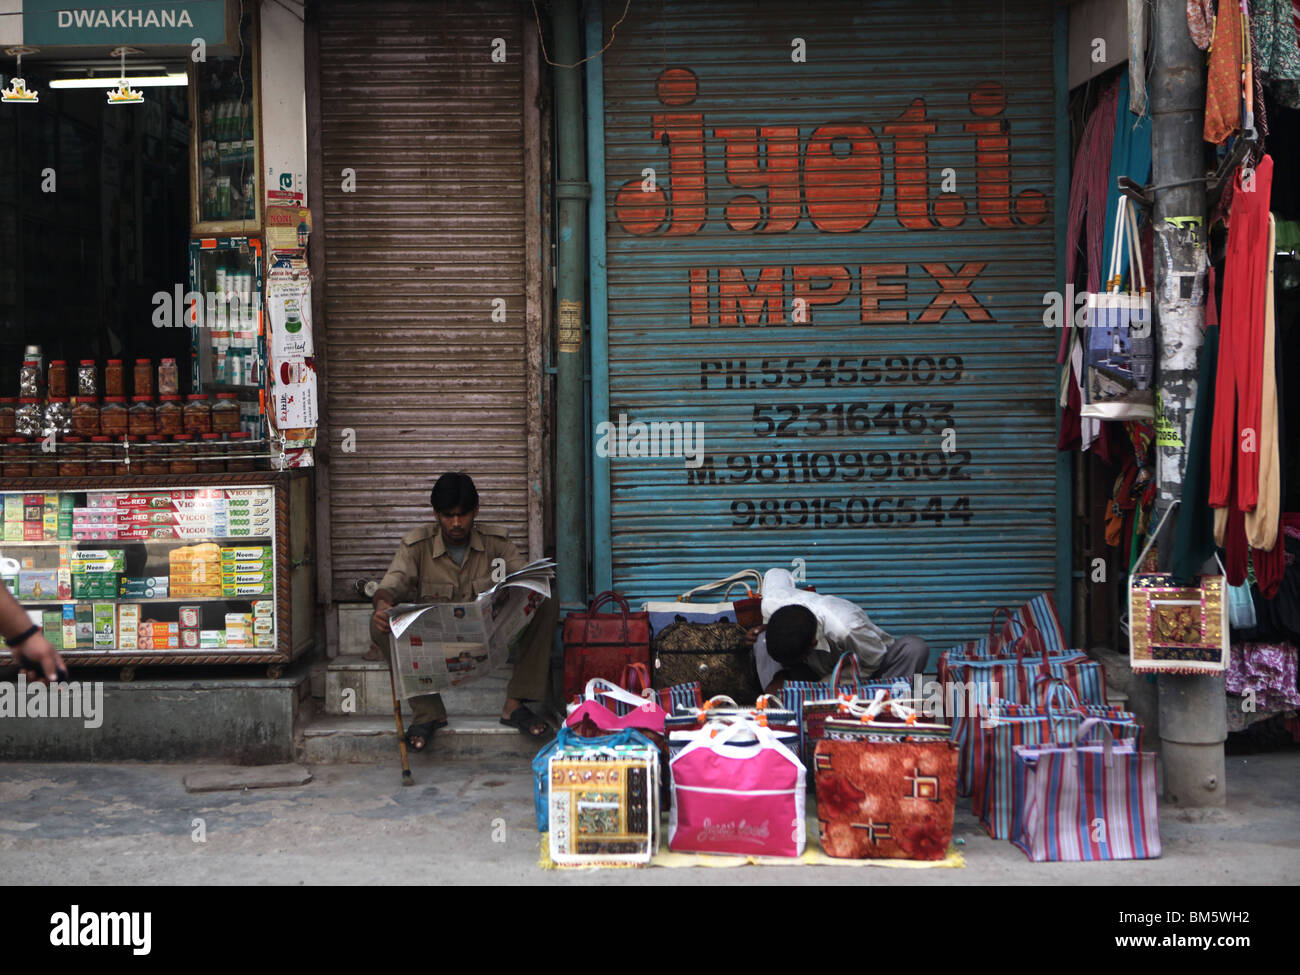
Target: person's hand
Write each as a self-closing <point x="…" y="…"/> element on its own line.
<point x="39" y="660"/>
<point x="381" y="617"/>
<point x="751" y="635"/>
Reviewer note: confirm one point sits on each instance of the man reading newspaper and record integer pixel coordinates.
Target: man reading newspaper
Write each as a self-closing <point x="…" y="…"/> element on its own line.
<point x="452" y="560"/>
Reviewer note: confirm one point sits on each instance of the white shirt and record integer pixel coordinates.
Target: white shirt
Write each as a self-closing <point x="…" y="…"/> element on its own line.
<point x="841" y="626"/>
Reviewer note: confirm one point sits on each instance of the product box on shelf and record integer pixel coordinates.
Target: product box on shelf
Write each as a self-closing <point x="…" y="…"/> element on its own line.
<point x="128" y="625"/>
<point x="94" y="585"/>
<point x="263" y="607"/>
<point x="212" y="639"/>
<point x="245" y="553"/>
<point x="52" y="624"/>
<point x="38" y="583"/>
<point x="65" y="583"/>
<point x="98" y="560"/>
<point x="242" y="592"/>
<point x="69" y="626"/>
<point x="84" y="613"/>
<point x="105" y="624"/>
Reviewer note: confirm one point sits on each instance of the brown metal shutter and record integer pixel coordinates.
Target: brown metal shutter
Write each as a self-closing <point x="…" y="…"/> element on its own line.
<point x="415" y="256"/>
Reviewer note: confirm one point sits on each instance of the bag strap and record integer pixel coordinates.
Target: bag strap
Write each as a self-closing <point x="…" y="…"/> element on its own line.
<point x="637" y="673"/>
<point x="1116" y="239"/>
<point x="1108" y="739"/>
<point x="608" y="596"/>
<point x="1135" y="252"/>
<point x="852" y="658"/>
<point x="744" y="574"/>
<point x="600" y="687"/>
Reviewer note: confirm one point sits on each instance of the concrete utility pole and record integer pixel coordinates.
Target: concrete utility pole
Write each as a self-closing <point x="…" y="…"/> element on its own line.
<point x="1193" y="719"/>
<point x="572" y="192"/>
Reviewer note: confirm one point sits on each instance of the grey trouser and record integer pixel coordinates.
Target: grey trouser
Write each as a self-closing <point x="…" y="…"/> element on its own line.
<point x="906" y="656"/>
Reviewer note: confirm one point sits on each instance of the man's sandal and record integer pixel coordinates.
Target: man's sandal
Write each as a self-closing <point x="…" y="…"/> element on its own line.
<point x="424" y="732"/>
<point x="525" y="720"/>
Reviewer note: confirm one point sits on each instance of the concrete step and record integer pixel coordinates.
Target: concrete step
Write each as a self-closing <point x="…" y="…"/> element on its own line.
<point x="356" y="687"/>
<point x="333" y="739"/>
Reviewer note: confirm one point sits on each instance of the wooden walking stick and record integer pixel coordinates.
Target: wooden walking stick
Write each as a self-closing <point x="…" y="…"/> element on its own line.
<point x="401" y="730"/>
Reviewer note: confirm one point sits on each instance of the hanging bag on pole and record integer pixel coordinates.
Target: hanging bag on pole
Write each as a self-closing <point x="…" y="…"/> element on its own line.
<point x="1119" y="361"/>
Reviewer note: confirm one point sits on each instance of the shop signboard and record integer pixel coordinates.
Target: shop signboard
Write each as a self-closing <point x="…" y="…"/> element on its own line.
<point x="142" y="23"/>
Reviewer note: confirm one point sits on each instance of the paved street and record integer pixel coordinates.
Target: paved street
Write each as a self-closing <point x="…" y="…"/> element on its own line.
<point x="472" y="823"/>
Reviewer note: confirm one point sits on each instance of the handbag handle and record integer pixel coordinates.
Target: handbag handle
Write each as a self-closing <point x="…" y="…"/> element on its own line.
<point x="741" y="576"/>
<point x="995" y="635"/>
<point x="760" y="732"/>
<point x="600" y="687"/>
<point x="1135" y="251"/>
<point x="852" y="658"/>
<point x="1108" y="739"/>
<point x="897" y="707"/>
<point x="608" y="596"/>
<point x="1117" y="236"/>
<point x="638" y="673"/>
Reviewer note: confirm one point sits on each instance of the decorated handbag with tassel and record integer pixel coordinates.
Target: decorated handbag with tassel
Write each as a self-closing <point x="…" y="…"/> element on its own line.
<point x="1176" y="629"/>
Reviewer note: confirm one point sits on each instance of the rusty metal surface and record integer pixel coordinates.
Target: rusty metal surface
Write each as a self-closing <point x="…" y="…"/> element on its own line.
<point x="420" y="376"/>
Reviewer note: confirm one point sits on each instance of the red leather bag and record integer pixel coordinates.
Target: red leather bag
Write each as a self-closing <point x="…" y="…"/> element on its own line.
<point x="602" y="645"/>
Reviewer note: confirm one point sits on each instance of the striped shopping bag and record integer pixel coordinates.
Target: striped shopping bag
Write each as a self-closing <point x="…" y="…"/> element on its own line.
<point x="1096" y="802"/>
<point x="990" y="669"/>
<point x="1011" y="726"/>
<point x="814" y="701"/>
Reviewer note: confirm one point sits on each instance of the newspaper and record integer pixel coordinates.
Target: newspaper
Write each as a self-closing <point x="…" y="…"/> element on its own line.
<point x="437" y="646"/>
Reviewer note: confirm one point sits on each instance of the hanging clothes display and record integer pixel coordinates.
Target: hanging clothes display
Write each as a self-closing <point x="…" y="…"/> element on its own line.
<point x="1276" y="49"/>
<point x="1223" y="83"/>
<point x="1262" y="522"/>
<point x="1238" y="392"/>
<point x="1200" y="22"/>
<point x="1194" y="533"/>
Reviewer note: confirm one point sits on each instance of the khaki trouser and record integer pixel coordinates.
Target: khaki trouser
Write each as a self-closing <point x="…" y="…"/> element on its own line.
<point x="532" y="664"/>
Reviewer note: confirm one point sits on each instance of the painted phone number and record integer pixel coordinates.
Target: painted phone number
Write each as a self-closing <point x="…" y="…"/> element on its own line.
<point x="921" y="370"/>
<point x="853" y="512"/>
<point x="848" y="465"/>
<point x="846" y="419"/>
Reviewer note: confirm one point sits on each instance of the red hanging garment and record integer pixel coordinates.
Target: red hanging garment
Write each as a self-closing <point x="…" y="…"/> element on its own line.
<point x="1237" y="389"/>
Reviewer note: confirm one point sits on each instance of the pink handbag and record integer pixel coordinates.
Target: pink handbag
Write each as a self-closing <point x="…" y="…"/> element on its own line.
<point x="742" y="800"/>
<point x="645" y="713"/>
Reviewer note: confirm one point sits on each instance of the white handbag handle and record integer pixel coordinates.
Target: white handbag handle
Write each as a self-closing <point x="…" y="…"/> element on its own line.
<point x="600" y="687"/>
<point x="1116" y="238"/>
<point x="745" y="574"/>
<point x="1135" y="252"/>
<point x="760" y="732"/>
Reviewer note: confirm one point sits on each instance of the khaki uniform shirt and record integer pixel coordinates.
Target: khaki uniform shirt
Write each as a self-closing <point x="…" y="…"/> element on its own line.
<point x="423" y="571"/>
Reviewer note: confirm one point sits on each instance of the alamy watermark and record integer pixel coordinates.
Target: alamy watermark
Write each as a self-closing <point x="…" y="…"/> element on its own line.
<point x="82" y="700"/>
<point x="657" y="438"/>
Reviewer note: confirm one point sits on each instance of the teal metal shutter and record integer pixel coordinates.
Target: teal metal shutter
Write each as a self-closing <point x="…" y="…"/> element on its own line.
<point x="829" y="232"/>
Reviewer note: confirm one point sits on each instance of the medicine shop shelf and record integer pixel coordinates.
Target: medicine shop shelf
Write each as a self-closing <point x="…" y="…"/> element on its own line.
<point x="291" y="496"/>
